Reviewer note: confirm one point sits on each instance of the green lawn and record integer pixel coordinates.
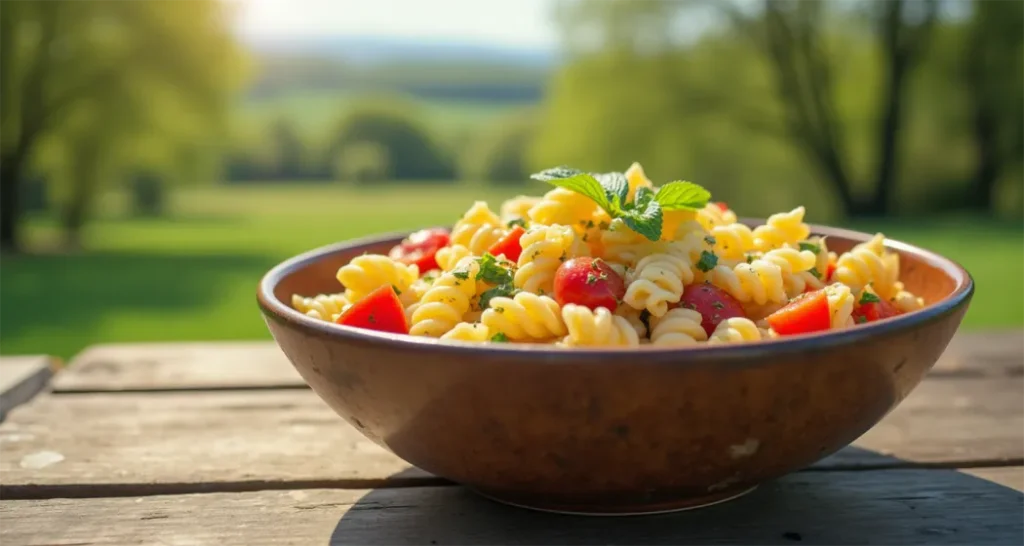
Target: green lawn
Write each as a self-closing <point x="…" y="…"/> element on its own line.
<point x="192" y="276"/>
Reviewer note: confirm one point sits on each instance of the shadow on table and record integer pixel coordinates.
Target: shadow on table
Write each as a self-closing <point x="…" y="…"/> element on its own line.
<point x="893" y="506"/>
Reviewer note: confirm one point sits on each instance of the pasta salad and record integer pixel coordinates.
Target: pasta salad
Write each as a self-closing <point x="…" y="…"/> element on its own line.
<point x="610" y="259"/>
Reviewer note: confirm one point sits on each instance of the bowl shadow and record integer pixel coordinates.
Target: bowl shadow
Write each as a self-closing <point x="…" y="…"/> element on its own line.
<point x="885" y="501"/>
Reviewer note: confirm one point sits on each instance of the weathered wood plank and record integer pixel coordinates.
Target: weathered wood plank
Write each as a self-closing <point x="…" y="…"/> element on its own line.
<point x="125" y="444"/>
<point x="869" y="507"/>
<point x="227" y="365"/>
<point x="21" y="378"/>
<point x="179" y="366"/>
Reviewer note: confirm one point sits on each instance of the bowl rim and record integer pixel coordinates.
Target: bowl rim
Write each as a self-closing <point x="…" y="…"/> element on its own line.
<point x="281" y="312"/>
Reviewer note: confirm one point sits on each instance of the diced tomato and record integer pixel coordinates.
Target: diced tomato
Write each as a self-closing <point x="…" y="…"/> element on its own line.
<point x="380" y="310"/>
<point x="807" y="313"/>
<point x="722" y="205"/>
<point x="589" y="282"/>
<point x="420" y="248"/>
<point x="509" y="245"/>
<point x="872" y="311"/>
<point x="713" y="304"/>
<point x="830" y="271"/>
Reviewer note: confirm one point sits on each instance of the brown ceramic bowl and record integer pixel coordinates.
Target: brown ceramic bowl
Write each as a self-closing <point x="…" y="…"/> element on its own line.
<point x="614" y="431"/>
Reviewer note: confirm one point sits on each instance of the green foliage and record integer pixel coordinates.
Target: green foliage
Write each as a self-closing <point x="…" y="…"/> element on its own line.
<point x="148" y="194"/>
<point x="501" y="154"/>
<point x="412" y="152"/>
<point x="363" y="162"/>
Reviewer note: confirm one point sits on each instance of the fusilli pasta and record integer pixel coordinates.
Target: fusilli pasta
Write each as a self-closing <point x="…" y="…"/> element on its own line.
<point x="597" y="328"/>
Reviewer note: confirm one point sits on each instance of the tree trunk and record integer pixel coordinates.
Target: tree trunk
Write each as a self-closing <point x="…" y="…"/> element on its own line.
<point x="84" y="181"/>
<point x="10" y="205"/>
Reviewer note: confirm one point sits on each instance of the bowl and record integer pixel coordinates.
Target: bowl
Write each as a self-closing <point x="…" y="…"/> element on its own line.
<point x="614" y="431"/>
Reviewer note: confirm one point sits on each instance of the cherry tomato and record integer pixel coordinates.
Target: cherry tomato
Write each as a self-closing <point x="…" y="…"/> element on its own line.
<point x="509" y="245"/>
<point x="805" y="314"/>
<point x="713" y="304"/>
<point x="722" y="206"/>
<point x="380" y="310"/>
<point x="589" y="282"/>
<point x="872" y="311"/>
<point x="420" y="248"/>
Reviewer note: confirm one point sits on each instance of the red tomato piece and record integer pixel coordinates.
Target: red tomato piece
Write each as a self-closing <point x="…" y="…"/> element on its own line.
<point x="872" y="311"/>
<point x="722" y="205"/>
<point x="805" y="314"/>
<point x="420" y="248"/>
<point x="713" y="304"/>
<point x="830" y="271"/>
<point x="509" y="245"/>
<point x="380" y="310"/>
<point x="589" y="282"/>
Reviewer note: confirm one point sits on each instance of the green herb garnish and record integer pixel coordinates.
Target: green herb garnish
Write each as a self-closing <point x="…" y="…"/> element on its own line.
<point x="867" y="297"/>
<point x="860" y="319"/>
<point x="611" y="192"/>
<point x="397" y="291"/>
<point x="517" y="222"/>
<point x="493" y="272"/>
<point x="461" y="275"/>
<point x="710" y="240"/>
<point x="707" y="262"/>
<point x="814" y="271"/>
<point x="499" y="338"/>
<point x="810" y="246"/>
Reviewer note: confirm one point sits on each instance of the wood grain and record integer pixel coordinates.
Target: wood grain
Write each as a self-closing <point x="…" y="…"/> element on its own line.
<point x="248" y="365"/>
<point x="126" y="444"/>
<point x="869" y="507"/>
<point x="179" y="366"/>
<point x="21" y="378"/>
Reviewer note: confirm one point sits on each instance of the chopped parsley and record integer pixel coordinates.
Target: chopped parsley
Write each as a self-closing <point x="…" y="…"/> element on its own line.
<point x="603" y="225"/>
<point x="814" y="271"/>
<point x="517" y="222"/>
<point x="397" y="291"/>
<point x="499" y="338"/>
<point x="461" y="275"/>
<point x="710" y="240"/>
<point x="707" y="262"/>
<point x="590" y="224"/>
<point x="860" y="319"/>
<point x="429" y="278"/>
<point x="371" y="319"/>
<point x="750" y="259"/>
<point x="867" y="297"/>
<point x="718" y="305"/>
<point x="494" y="272"/>
<point x="563" y="257"/>
<point x="810" y="246"/>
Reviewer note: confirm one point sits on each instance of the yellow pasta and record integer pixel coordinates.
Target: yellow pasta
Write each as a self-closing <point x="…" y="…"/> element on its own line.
<point x="524" y="317"/>
<point x="366" y="273"/>
<point x="736" y="330"/>
<point x="597" y="328"/>
<point x="659" y="248"/>
<point x="447" y="300"/>
<point x="679" y="327"/>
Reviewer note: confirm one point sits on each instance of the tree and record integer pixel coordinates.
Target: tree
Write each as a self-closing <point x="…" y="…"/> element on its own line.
<point x="100" y="80"/>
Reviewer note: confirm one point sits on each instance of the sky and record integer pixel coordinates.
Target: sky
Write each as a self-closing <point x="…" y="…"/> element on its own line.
<point x="515" y="23"/>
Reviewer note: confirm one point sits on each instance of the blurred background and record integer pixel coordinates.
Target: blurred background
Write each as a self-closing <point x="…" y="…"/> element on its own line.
<point x="159" y="156"/>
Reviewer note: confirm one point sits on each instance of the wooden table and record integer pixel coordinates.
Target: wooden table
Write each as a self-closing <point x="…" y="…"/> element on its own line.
<point x="223" y="444"/>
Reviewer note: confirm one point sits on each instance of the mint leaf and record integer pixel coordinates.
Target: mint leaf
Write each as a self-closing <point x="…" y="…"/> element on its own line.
<point x="810" y="246"/>
<point x="616" y="188"/>
<point x="644" y="218"/>
<point x="554" y="173"/>
<point x="584" y="184"/>
<point x="492" y="271"/>
<point x="867" y="297"/>
<point x="680" y="195"/>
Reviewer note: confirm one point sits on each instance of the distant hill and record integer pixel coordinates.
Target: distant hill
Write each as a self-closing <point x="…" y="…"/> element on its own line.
<point x="379" y="49"/>
<point x="424" y="68"/>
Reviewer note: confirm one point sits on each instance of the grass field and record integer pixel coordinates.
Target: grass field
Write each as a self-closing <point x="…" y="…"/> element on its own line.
<point x="192" y="275"/>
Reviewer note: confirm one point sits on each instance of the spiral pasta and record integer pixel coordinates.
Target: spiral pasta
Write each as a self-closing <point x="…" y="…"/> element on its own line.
<point x="322" y="306"/>
<point x="564" y="207"/>
<point x="736" y="330"/>
<point x="596" y="328"/>
<point x="465" y="331"/>
<point x="868" y="263"/>
<point x="366" y="273"/>
<point x="638" y="288"/>
<point x="659" y="280"/>
<point x="765" y="279"/>
<point x="544" y="249"/>
<point x="447" y="300"/>
<point x="784" y="228"/>
<point x="524" y="316"/>
<point x="678" y="327"/>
